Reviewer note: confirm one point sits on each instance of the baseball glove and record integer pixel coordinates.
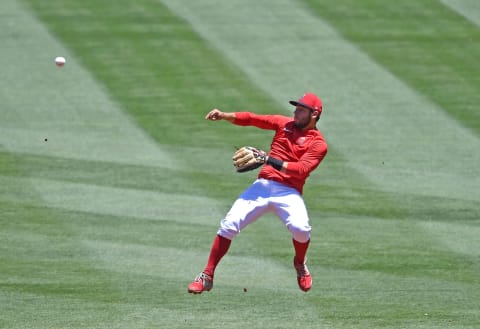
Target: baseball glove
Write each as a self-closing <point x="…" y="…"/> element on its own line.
<point x="248" y="158"/>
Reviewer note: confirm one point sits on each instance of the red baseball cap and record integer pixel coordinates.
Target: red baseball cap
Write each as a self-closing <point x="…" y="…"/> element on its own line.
<point x="310" y="101"/>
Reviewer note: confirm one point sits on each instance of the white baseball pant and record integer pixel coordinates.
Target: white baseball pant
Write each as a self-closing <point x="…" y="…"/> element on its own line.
<point x="268" y="196"/>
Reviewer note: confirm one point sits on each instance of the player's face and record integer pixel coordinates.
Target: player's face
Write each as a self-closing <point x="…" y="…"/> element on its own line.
<point x="302" y="117"/>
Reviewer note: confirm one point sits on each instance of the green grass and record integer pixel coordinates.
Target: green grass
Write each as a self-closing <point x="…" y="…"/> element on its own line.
<point x="105" y="222"/>
<point x="424" y="43"/>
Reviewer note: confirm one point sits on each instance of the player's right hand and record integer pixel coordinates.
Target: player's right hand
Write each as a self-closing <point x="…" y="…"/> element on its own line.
<point x="214" y="115"/>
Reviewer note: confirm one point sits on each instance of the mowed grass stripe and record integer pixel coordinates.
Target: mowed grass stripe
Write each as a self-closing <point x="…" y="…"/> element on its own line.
<point x="133" y="203"/>
<point x="404" y="137"/>
<point x="398" y="247"/>
<point x="467" y="8"/>
<point x="414" y="303"/>
<point x="128" y="176"/>
<point x="460" y="238"/>
<point x="63" y="228"/>
<point x="141" y="259"/>
<point x="61" y="112"/>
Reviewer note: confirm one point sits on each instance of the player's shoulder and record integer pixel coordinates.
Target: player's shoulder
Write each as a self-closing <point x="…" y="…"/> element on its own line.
<point x="318" y="136"/>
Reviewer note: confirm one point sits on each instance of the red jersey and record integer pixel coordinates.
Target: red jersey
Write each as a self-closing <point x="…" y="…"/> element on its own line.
<point x="303" y="150"/>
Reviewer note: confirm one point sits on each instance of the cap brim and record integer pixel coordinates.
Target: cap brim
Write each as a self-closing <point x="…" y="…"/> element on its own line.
<point x="296" y="103"/>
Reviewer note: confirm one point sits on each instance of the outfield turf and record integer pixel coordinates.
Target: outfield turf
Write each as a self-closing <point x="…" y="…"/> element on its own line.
<point x="112" y="184"/>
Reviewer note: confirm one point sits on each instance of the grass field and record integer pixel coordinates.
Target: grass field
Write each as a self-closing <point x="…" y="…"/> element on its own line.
<point x="112" y="184"/>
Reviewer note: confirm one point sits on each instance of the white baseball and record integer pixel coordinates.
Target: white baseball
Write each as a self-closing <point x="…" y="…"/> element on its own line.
<point x="60" y="61"/>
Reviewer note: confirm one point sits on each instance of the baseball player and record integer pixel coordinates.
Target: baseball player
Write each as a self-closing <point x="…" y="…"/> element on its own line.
<point x="296" y="150"/>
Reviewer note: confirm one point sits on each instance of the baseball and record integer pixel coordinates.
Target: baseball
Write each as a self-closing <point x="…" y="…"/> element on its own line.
<point x="60" y="61"/>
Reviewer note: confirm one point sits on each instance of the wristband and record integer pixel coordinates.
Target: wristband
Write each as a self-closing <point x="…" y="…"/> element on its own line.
<point x="275" y="163"/>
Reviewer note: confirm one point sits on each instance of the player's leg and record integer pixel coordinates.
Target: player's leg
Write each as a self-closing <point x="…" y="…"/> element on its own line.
<point x="290" y="208"/>
<point x="204" y="281"/>
<point x="219" y="248"/>
<point x="245" y="210"/>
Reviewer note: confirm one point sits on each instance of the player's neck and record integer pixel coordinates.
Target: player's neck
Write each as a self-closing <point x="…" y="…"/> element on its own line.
<point x="310" y="126"/>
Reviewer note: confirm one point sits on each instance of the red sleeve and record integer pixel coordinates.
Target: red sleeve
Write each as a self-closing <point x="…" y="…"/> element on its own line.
<point x="309" y="161"/>
<point x="263" y="121"/>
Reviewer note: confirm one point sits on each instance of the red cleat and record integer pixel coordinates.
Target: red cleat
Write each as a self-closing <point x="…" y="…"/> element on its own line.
<point x="304" y="278"/>
<point x="203" y="282"/>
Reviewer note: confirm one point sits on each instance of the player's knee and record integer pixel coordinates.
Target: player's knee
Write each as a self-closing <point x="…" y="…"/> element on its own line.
<point x="300" y="233"/>
<point x="228" y="229"/>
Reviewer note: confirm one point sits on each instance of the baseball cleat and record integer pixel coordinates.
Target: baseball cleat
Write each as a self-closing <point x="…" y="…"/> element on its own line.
<point x="203" y="282"/>
<point x="304" y="278"/>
